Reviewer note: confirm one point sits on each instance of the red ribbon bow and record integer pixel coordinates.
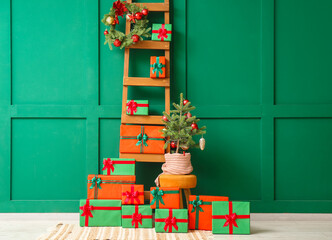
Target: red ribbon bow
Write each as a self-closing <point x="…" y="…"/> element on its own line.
<point x="132" y="195"/>
<point x="230" y="219"/>
<point x="136" y="218"/>
<point x="169" y="223"/>
<point x="108" y="164"/>
<point x="132" y="107"/>
<point x="87" y="210"/>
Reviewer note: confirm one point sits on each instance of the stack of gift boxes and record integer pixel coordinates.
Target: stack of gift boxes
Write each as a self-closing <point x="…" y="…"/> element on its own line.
<point x="114" y="199"/>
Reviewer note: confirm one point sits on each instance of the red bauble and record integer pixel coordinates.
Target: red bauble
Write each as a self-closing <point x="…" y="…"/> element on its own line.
<point x="188" y="115"/>
<point x="135" y="38"/>
<point x="117" y="43"/>
<point x="165" y="119"/>
<point x="173" y="144"/>
<point x="185" y="101"/>
<point x="194" y="126"/>
<point x="106" y="32"/>
<point x="138" y="16"/>
<point x="145" y="12"/>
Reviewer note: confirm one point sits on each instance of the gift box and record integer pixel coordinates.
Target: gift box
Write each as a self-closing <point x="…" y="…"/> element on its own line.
<point x="132" y="194"/>
<point x="137" y="107"/>
<point x="136" y="216"/>
<point x="231" y="217"/>
<point x="171" y="220"/>
<point x="100" y="213"/>
<point x="107" y="187"/>
<point x="157" y="67"/>
<point x="162" y="32"/>
<point x="119" y="166"/>
<point x="141" y="139"/>
<point x="200" y="211"/>
<point x="164" y="197"/>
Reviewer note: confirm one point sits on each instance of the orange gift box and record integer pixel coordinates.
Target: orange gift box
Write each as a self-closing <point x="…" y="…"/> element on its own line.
<point x="166" y="197"/>
<point x="157" y="67"/>
<point x="141" y="139"/>
<point x="132" y="194"/>
<point x="107" y="187"/>
<point x="200" y="211"/>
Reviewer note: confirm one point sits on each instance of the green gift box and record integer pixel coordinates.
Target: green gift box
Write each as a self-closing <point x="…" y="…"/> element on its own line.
<point x="136" y="216"/>
<point x="100" y="213"/>
<point x="231" y="217"/>
<point x="171" y="220"/>
<point x="137" y="107"/>
<point x="119" y="166"/>
<point x="161" y="32"/>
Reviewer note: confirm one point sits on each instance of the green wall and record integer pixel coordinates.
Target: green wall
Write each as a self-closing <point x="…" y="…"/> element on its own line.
<point x="257" y="70"/>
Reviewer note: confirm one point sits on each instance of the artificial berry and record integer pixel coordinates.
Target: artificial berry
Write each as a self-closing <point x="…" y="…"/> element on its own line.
<point x="194" y="126"/>
<point x="173" y="144"/>
<point x="145" y="12"/>
<point x="135" y="38"/>
<point x="105" y="32"/>
<point x="165" y="119"/>
<point x="117" y="43"/>
<point x="185" y="101"/>
<point x="138" y="16"/>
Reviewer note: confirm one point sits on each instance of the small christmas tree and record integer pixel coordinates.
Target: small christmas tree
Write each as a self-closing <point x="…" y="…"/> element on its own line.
<point x="181" y="126"/>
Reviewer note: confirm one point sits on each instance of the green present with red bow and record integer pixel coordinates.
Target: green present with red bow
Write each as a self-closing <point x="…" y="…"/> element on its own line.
<point x="231" y="217"/>
<point x="118" y="166"/>
<point x="171" y="220"/>
<point x="100" y="213"/>
<point x="161" y="32"/>
<point x="136" y="216"/>
<point x="137" y="107"/>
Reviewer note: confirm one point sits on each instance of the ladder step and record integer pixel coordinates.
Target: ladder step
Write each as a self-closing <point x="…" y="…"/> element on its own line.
<point x="149" y="44"/>
<point x="141" y="157"/>
<point x="150" y="82"/>
<point x="155" y="7"/>
<point x="155" y="120"/>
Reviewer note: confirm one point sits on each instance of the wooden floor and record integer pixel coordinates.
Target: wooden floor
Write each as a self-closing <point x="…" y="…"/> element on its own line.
<point x="263" y="226"/>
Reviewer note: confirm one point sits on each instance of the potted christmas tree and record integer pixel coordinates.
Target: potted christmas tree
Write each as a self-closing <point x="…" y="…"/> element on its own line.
<point x="180" y="128"/>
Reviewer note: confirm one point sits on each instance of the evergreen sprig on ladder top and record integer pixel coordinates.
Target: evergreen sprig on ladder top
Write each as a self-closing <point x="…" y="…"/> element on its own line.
<point x="181" y="126"/>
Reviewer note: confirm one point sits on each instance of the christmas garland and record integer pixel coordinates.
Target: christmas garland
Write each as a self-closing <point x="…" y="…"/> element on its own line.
<point x="135" y="14"/>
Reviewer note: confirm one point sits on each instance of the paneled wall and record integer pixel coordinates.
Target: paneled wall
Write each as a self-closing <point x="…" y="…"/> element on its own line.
<point x="257" y="70"/>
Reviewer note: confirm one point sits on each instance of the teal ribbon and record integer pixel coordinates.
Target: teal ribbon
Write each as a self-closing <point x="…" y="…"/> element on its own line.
<point x="197" y="207"/>
<point x="157" y="197"/>
<point x="157" y="67"/>
<point x="142" y="139"/>
<point x="94" y="181"/>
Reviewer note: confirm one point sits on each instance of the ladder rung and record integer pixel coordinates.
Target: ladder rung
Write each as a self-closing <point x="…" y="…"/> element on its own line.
<point x="141" y="119"/>
<point x="149" y="44"/>
<point x="150" y="82"/>
<point x="155" y="7"/>
<point x="141" y="157"/>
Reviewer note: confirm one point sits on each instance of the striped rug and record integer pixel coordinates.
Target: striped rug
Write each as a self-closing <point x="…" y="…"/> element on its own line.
<point x="75" y="232"/>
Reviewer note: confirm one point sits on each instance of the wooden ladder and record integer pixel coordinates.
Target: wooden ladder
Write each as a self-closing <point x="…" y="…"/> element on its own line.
<point x="152" y="82"/>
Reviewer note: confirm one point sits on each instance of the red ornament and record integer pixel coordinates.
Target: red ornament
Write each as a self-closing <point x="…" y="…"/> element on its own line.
<point x="105" y="32"/>
<point x="188" y="115"/>
<point x="135" y="38"/>
<point x="117" y="43"/>
<point x="173" y="144"/>
<point x="138" y="16"/>
<point x="145" y="12"/>
<point x="194" y="126"/>
<point x="165" y="119"/>
<point x="185" y="101"/>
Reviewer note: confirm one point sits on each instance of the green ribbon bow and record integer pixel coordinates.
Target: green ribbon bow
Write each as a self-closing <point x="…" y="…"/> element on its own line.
<point x="94" y="181"/>
<point x="196" y="205"/>
<point x="157" y="67"/>
<point x="157" y="197"/>
<point x="142" y="139"/>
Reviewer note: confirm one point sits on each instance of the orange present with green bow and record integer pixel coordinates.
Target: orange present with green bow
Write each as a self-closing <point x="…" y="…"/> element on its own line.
<point x="141" y="139"/>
